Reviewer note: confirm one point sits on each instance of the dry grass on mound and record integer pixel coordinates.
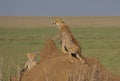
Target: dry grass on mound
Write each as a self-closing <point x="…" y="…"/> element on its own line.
<point x="55" y="66"/>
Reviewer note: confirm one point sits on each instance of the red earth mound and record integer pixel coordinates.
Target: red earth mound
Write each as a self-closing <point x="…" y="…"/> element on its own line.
<point x="55" y="66"/>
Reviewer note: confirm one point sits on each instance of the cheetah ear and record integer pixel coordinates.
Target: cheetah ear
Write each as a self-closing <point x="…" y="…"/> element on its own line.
<point x="62" y="20"/>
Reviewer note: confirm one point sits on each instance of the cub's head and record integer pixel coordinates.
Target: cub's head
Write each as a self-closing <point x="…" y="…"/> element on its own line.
<point x="31" y="56"/>
<point x="58" y="22"/>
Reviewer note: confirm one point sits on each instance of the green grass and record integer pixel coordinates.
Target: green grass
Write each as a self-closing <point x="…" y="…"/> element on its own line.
<point x="101" y="43"/>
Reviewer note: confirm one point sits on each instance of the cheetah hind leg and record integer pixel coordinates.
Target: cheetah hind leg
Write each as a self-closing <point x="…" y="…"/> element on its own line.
<point x="80" y="58"/>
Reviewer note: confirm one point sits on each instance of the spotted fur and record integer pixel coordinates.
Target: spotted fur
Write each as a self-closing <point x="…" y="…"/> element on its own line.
<point x="69" y="44"/>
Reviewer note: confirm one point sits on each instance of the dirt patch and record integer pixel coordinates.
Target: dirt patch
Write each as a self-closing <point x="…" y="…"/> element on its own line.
<point x="55" y="66"/>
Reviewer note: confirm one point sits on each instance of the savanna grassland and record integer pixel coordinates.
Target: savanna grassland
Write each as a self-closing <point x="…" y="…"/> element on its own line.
<point x="99" y="37"/>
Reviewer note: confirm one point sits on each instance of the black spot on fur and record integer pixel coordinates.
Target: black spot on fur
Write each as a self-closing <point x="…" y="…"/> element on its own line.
<point x="66" y="48"/>
<point x="74" y="54"/>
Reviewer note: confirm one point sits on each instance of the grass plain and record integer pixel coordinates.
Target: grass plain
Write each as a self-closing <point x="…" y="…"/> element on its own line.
<point x="73" y="21"/>
<point x="98" y="42"/>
